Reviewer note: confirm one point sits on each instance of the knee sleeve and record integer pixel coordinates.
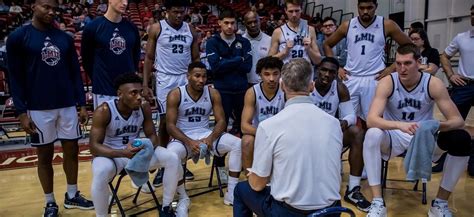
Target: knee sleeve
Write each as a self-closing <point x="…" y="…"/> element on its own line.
<point x="456" y="142"/>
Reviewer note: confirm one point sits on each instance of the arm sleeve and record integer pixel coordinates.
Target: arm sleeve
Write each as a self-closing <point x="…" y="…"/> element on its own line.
<point x="434" y="57"/>
<point x="217" y="63"/>
<point x="246" y="66"/>
<point x="17" y="71"/>
<point x="346" y="112"/>
<point x="453" y="47"/>
<point x="263" y="154"/>
<point x="87" y="49"/>
<point x="76" y="76"/>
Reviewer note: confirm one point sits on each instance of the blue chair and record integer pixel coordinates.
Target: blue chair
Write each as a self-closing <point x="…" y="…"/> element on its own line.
<point x="332" y="210"/>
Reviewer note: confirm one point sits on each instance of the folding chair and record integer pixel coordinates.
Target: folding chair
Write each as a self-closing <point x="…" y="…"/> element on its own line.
<point x="115" y="198"/>
<point x="332" y="210"/>
<point x="219" y="183"/>
<point x="415" y="188"/>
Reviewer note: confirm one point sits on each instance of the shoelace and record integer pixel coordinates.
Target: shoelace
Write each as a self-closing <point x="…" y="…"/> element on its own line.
<point x="375" y="208"/>
<point x="443" y="208"/>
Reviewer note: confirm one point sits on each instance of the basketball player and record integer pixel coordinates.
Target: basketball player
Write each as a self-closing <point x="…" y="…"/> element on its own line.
<point x="331" y="95"/>
<point x="172" y="44"/>
<point x="295" y="39"/>
<point x="262" y="101"/>
<point x="365" y="64"/>
<point x="46" y="86"/>
<point x="110" y="46"/>
<point x="115" y="124"/>
<point x="187" y="120"/>
<point x="405" y="98"/>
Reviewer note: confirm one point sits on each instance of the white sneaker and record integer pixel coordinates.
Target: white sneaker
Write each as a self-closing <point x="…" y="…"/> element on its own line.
<point x="223" y="174"/>
<point x="145" y="189"/>
<point x="183" y="207"/>
<point x="377" y="209"/>
<point x="229" y="199"/>
<point x="439" y="210"/>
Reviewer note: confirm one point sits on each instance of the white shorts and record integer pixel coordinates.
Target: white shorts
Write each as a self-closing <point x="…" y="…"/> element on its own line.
<point x="54" y="124"/>
<point x="396" y="142"/>
<point x="99" y="99"/>
<point x="164" y="84"/>
<point x="362" y="91"/>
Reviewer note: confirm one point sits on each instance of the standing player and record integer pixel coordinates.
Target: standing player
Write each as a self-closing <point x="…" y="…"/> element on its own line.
<point x="110" y="47"/>
<point x="295" y="39"/>
<point x="187" y="120"/>
<point x="46" y="87"/>
<point x="365" y="65"/>
<point x="402" y="100"/>
<point x="262" y="101"/>
<point x="115" y="124"/>
<point x="259" y="41"/>
<point x="171" y="46"/>
<point x="331" y="96"/>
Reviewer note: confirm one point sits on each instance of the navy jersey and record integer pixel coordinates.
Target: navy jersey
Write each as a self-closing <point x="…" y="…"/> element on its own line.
<point x="44" y="70"/>
<point x="109" y="49"/>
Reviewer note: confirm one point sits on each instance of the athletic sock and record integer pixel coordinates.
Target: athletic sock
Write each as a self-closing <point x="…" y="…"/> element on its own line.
<point x="71" y="191"/>
<point x="50" y="198"/>
<point x="353" y="181"/>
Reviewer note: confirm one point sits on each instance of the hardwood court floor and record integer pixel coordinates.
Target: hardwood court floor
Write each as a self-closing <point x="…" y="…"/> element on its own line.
<point x="21" y="194"/>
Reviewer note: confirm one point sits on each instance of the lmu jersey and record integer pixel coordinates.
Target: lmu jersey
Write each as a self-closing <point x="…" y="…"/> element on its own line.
<point x="298" y="50"/>
<point x="173" y="49"/>
<point x="264" y="107"/>
<point x="194" y="115"/>
<point x="329" y="102"/>
<point x="410" y="106"/>
<point x="366" y="47"/>
<point x="121" y="131"/>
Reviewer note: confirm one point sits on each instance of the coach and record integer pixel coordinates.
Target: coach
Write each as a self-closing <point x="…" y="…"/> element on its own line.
<point x="299" y="158"/>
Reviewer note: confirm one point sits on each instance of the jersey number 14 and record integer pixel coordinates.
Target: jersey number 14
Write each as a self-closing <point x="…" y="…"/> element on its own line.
<point x="408" y="116"/>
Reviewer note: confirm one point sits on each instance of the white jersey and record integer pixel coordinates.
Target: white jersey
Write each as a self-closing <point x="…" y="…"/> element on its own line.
<point x="410" y="106"/>
<point x="264" y="107"/>
<point x="260" y="47"/>
<point x="194" y="115"/>
<point x="173" y="49"/>
<point x="121" y="131"/>
<point x="298" y="50"/>
<point x="365" y="47"/>
<point x="329" y="102"/>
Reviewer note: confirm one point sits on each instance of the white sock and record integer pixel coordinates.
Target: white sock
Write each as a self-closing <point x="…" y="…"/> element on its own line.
<point x="50" y="198"/>
<point x="354" y="181"/>
<point x="231" y="184"/>
<point x="181" y="192"/>
<point x="378" y="200"/>
<point x="71" y="190"/>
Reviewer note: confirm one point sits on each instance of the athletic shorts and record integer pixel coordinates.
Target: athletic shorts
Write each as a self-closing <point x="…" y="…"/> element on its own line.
<point x="362" y="91"/>
<point x="396" y="142"/>
<point x="164" y="84"/>
<point x="54" y="124"/>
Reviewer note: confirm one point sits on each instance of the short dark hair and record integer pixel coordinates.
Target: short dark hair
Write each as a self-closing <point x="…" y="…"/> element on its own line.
<point x="409" y="49"/>
<point x="329" y="18"/>
<point x="126" y="78"/>
<point x="330" y="60"/>
<point x="193" y="65"/>
<point x="365" y="1"/>
<point x="423" y="36"/>
<point x="227" y="14"/>
<point x="294" y="2"/>
<point x="176" y="3"/>
<point x="417" y="25"/>
<point x="269" y="62"/>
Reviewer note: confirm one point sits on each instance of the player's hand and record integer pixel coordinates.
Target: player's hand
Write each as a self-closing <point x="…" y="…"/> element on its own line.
<point x="130" y="151"/>
<point x="457" y="80"/>
<point x="307" y="42"/>
<point x="194" y="145"/>
<point x="383" y="73"/>
<point x="27" y="124"/>
<point x="344" y="124"/>
<point x="289" y="44"/>
<point x="83" y="116"/>
<point x="408" y="127"/>
<point x="342" y="74"/>
<point x="208" y="142"/>
<point x="148" y="94"/>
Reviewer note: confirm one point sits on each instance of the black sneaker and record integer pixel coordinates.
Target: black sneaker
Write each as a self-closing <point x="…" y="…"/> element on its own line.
<point x="356" y="198"/>
<point x="166" y="212"/>
<point x="78" y="201"/>
<point x="188" y="175"/>
<point x="470" y="166"/>
<point x="440" y="164"/>
<point x="51" y="210"/>
<point x="158" y="180"/>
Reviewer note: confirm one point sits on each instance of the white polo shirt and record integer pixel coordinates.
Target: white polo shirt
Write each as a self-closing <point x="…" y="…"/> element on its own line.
<point x="464" y="44"/>
<point x="300" y="149"/>
<point x="260" y="47"/>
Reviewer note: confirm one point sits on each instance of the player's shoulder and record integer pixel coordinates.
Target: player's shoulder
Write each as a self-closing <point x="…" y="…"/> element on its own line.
<point x="20" y="32"/>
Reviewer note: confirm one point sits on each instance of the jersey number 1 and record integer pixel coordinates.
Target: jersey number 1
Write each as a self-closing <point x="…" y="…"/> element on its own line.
<point x="363" y="50"/>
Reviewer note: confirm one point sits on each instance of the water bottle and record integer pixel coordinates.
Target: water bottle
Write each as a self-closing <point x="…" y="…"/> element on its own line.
<point x="137" y="143"/>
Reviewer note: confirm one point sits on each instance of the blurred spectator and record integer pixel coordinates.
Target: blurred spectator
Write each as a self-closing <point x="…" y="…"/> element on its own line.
<point x="204" y="10"/>
<point x="316" y="22"/>
<point x="146" y="13"/>
<point x="156" y="11"/>
<point x="429" y="56"/>
<point x="196" y="17"/>
<point x="272" y="24"/>
<point x="102" y="7"/>
<point x="340" y="50"/>
<point x="15" y="9"/>
<point x="204" y="41"/>
<point x="3" y="7"/>
<point x="261" y="11"/>
<point x="62" y="26"/>
<point x="3" y="55"/>
<point x="416" y="25"/>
